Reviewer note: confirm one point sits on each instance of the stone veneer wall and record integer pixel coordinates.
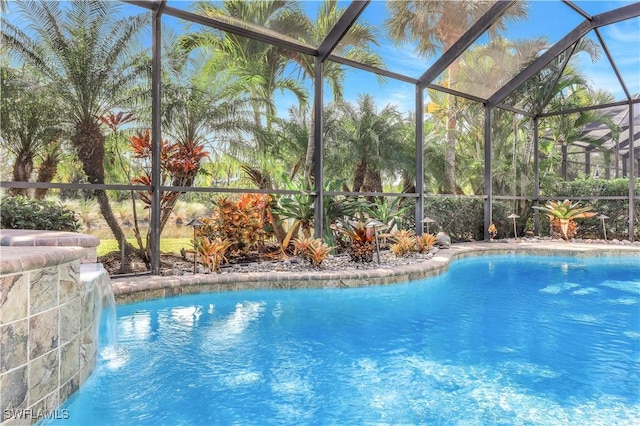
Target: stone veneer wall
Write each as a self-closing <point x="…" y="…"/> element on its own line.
<point x="48" y="331"/>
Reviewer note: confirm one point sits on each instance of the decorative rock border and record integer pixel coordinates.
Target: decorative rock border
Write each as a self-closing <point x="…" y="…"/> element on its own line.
<point x="133" y="289"/>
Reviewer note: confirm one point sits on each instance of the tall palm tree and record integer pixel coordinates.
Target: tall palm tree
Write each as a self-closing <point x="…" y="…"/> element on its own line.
<point x="258" y="67"/>
<point x="558" y="87"/>
<point x="435" y="26"/>
<point x="84" y="49"/>
<point x="483" y="69"/>
<point x="355" y="45"/>
<point x="30" y="122"/>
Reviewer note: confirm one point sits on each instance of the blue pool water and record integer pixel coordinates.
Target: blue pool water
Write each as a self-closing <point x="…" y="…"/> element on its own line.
<point x="496" y="340"/>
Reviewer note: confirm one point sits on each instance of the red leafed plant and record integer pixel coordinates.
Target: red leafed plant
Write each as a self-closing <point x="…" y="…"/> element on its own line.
<point x="114" y="121"/>
<point x="179" y="165"/>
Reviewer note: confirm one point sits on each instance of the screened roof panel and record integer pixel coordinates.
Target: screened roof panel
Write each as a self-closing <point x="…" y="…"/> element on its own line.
<point x="623" y="41"/>
<point x="600" y="133"/>
<point x="534" y="94"/>
<point x="584" y="61"/>
<point x="402" y="59"/>
<point x="265" y="21"/>
<point x="590" y="64"/>
<point x="411" y="40"/>
<point x="492" y="62"/>
<point x="595" y="7"/>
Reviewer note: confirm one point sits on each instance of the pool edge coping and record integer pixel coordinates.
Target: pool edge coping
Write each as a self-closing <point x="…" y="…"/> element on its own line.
<point x="149" y="287"/>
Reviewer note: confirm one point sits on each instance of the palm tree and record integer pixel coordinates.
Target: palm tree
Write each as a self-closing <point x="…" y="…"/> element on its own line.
<point x="560" y="131"/>
<point x="355" y="45"/>
<point x="436" y="26"/>
<point x="571" y="90"/>
<point x="259" y="68"/>
<point x="367" y="141"/>
<point x="483" y="69"/>
<point x="48" y="168"/>
<point x="197" y="117"/>
<point x="30" y="123"/>
<point x="84" y="49"/>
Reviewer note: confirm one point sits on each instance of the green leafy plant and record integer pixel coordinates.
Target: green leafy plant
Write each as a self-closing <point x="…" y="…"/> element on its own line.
<point x="20" y="212"/>
<point x="405" y="243"/>
<point x="298" y="207"/>
<point x="617" y="210"/>
<point x="563" y="215"/>
<point x="387" y="212"/>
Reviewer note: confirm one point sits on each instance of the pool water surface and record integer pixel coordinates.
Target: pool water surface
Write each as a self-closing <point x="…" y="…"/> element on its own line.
<point x="495" y="340"/>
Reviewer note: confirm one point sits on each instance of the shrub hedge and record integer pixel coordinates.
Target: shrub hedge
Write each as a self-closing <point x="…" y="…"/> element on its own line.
<point x="20" y="212"/>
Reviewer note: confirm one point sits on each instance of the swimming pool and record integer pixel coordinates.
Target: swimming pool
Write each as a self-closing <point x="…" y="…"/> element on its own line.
<point x="497" y="339"/>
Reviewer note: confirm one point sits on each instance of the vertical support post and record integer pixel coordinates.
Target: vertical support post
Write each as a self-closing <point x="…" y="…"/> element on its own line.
<point x="156" y="137"/>
<point x="488" y="184"/>
<point x="318" y="153"/>
<point x="419" y="213"/>
<point x="632" y="172"/>
<point x="536" y="177"/>
<point x="617" y="156"/>
<point x="563" y="166"/>
<point x="587" y="163"/>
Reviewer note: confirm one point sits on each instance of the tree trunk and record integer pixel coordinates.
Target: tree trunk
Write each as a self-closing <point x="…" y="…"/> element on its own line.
<point x="372" y="181"/>
<point x="358" y="179"/>
<point x="450" y="154"/>
<point x="311" y="149"/>
<point x="451" y="136"/>
<point x="89" y="144"/>
<point x="22" y="169"/>
<point x="46" y="172"/>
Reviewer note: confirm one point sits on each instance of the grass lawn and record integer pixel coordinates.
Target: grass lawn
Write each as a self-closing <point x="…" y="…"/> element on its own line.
<point x="167" y="245"/>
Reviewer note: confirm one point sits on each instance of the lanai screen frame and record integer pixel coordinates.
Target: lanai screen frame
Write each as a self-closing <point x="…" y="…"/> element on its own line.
<point x="324" y="53"/>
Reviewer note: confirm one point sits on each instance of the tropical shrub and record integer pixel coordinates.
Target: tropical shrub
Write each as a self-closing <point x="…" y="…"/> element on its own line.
<point x="362" y="240"/>
<point x="563" y="216"/>
<point x="313" y="250"/>
<point x="212" y="252"/>
<point x="241" y="222"/>
<point x="424" y="242"/>
<point x="388" y="212"/>
<point x="299" y="208"/>
<point x="20" y="212"/>
<point x="179" y="165"/>
<point x="405" y="243"/>
<point x="616" y="210"/>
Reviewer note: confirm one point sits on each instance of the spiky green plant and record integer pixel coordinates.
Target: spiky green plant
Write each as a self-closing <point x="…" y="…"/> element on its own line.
<point x="563" y="215"/>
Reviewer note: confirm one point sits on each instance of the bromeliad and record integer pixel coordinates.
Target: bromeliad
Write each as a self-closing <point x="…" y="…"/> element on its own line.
<point x="563" y="215"/>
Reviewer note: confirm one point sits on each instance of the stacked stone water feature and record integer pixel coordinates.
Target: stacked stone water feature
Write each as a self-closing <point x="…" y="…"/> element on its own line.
<point x="50" y="296"/>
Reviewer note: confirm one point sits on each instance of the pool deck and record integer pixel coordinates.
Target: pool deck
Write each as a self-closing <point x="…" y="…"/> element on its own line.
<point x="147" y="287"/>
